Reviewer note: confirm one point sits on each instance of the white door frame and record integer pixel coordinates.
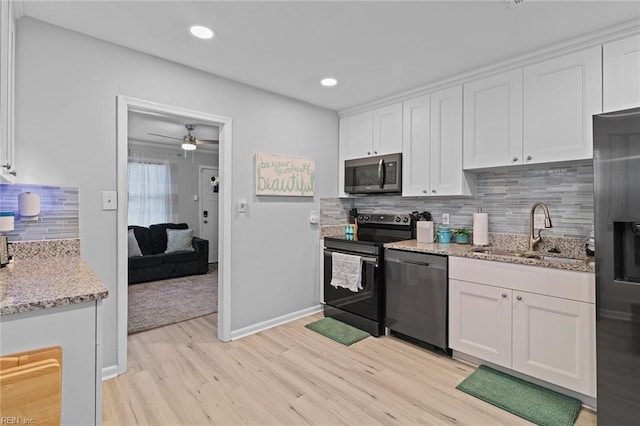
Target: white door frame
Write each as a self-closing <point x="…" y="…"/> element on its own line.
<point x="125" y="105"/>
<point x="200" y="206"/>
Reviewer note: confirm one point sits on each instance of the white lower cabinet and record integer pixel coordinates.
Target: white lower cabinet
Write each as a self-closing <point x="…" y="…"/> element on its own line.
<point x="480" y="321"/>
<point x="553" y="340"/>
<point x="547" y="331"/>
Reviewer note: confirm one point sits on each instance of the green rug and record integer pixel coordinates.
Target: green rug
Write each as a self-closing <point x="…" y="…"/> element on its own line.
<point x="532" y="402"/>
<point x="338" y="331"/>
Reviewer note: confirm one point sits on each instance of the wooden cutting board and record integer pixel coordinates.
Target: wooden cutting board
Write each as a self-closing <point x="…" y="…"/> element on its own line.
<point x="31" y="386"/>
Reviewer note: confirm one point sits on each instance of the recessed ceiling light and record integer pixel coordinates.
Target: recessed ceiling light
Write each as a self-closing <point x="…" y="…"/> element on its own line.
<point x="328" y="82"/>
<point x="201" y="32"/>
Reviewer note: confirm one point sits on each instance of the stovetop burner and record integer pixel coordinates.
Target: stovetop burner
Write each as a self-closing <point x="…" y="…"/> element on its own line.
<point x="377" y="229"/>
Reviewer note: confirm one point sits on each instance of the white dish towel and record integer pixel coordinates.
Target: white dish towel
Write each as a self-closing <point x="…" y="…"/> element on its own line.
<point x="346" y="271"/>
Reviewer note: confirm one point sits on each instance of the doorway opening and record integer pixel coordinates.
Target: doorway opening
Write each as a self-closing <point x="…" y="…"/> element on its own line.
<point x="127" y="106"/>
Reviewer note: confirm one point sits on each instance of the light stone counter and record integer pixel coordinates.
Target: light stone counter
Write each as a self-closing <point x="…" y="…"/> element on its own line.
<point x="466" y="250"/>
<point x="43" y="283"/>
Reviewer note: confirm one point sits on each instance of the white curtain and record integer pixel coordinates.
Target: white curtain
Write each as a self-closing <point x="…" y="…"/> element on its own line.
<point x="153" y="186"/>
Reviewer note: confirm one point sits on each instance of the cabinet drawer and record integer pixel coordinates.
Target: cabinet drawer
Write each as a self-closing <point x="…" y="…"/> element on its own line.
<point x="571" y="285"/>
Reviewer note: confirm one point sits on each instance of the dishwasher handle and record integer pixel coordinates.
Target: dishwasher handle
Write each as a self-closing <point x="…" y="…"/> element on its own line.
<point x="417" y="259"/>
<point x="408" y="262"/>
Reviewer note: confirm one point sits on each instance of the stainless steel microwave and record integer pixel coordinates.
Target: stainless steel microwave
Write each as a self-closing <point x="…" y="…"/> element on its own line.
<point x="371" y="175"/>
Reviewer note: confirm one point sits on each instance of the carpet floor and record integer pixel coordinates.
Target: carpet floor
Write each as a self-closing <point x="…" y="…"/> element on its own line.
<point x="159" y="303"/>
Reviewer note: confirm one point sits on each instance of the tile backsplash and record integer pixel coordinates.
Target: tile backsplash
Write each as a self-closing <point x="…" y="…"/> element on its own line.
<point x="59" y="212"/>
<point x="505" y="194"/>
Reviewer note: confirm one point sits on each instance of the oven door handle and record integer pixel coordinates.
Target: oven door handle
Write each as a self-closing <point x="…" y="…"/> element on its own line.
<point x="364" y="258"/>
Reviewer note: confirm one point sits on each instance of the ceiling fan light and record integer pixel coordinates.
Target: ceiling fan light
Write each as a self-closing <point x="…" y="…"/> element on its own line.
<point x="189" y="146"/>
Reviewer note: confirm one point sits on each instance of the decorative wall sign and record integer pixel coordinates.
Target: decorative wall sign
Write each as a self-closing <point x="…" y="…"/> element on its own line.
<point x="288" y="176"/>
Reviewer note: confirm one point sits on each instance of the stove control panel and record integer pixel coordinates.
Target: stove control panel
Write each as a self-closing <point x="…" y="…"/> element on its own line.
<point x="389" y="219"/>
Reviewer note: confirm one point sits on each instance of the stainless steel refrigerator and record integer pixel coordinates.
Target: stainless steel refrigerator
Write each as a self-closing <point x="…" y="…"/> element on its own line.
<point x="616" y="160"/>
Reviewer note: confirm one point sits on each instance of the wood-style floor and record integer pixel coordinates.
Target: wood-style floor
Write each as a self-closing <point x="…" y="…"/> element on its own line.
<point x="181" y="374"/>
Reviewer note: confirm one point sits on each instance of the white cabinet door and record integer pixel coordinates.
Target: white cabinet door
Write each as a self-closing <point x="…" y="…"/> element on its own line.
<point x="560" y="96"/>
<point x="493" y="121"/>
<point x="446" y="174"/>
<point x="7" y="54"/>
<point x="387" y="129"/>
<point x="359" y="135"/>
<point x="415" y="146"/>
<point x="480" y="321"/>
<point x="554" y="340"/>
<point x="621" y="74"/>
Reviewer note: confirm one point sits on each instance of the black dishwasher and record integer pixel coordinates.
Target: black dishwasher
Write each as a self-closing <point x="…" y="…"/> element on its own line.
<point x="416" y="296"/>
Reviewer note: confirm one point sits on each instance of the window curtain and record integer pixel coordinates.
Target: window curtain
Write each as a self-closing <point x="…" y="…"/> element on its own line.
<point x="153" y="186"/>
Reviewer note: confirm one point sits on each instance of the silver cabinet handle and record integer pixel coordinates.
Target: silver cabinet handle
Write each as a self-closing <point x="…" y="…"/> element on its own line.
<point x="206" y="221"/>
<point x="519" y="297"/>
<point x="424" y="191"/>
<point x="368" y="152"/>
<point x="529" y="158"/>
<point x="7" y="166"/>
<point x="514" y="159"/>
<point x="375" y="152"/>
<point x="504" y="294"/>
<point x="13" y="172"/>
<point x="433" y="191"/>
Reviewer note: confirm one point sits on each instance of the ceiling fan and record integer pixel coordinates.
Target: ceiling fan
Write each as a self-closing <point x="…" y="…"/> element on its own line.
<point x="189" y="141"/>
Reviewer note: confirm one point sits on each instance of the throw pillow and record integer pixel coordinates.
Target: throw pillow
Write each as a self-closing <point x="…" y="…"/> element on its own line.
<point x="134" y="248"/>
<point x="179" y="240"/>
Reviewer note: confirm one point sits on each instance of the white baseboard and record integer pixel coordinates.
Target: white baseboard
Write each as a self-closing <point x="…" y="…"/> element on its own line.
<point x="110" y="372"/>
<point x="261" y="326"/>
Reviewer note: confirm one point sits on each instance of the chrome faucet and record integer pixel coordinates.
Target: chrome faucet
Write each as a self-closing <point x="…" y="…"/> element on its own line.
<point x="533" y="240"/>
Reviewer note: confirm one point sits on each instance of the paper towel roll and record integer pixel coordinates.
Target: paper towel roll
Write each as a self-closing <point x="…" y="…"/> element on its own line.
<point x="29" y="204"/>
<point x="480" y="229"/>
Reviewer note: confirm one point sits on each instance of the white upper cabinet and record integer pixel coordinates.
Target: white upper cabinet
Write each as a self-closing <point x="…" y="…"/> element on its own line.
<point x="621" y="74"/>
<point x="416" y="146"/>
<point x="446" y="176"/>
<point x="493" y="120"/>
<point x="560" y="96"/>
<point x="387" y="129"/>
<point x="7" y="54"/>
<point x="432" y="145"/>
<point x="376" y="132"/>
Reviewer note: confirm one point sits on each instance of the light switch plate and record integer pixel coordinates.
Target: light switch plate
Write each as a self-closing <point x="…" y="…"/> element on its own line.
<point x="445" y="218"/>
<point x="109" y="200"/>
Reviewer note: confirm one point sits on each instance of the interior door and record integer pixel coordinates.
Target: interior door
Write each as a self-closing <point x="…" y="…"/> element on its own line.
<point x="209" y="185"/>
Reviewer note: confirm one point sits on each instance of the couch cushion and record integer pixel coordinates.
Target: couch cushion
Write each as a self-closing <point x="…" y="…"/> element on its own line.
<point x="143" y="237"/>
<point x="158" y="234"/>
<point x="132" y="244"/>
<point x="145" y="261"/>
<point x="179" y="240"/>
<point x="179" y="257"/>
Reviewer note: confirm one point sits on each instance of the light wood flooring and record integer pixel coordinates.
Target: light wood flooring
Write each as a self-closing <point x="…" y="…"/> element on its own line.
<point x="181" y="374"/>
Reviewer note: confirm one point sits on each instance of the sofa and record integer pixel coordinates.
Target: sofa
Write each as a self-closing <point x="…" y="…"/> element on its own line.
<point x="154" y="262"/>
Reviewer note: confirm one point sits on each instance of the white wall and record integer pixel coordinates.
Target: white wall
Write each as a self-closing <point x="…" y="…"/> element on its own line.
<point x="66" y="88"/>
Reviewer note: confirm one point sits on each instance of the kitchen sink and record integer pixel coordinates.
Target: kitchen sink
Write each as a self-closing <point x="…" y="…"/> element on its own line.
<point x="495" y="252"/>
<point x="569" y="260"/>
<point x="503" y="253"/>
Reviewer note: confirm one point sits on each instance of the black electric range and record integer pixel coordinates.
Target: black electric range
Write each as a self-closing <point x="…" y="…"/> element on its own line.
<point x="364" y="309"/>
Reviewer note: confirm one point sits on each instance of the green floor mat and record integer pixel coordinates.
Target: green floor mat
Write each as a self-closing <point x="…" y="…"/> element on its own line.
<point x="532" y="402"/>
<point x="338" y="331"/>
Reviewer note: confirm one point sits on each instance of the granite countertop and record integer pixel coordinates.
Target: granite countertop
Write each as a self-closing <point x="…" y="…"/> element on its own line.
<point x="42" y="283"/>
<point x="466" y="250"/>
